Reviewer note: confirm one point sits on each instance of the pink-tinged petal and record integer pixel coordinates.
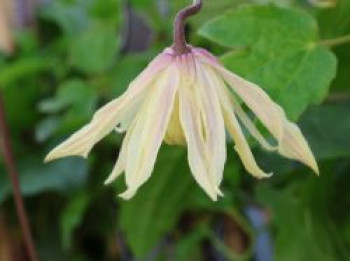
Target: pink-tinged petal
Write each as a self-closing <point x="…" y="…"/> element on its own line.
<point x="149" y="131"/>
<point x="190" y="117"/>
<point x="119" y="111"/>
<point x="291" y="142"/>
<point x="213" y="121"/>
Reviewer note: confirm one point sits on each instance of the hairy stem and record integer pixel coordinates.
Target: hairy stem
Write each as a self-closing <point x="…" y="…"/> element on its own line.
<point x="180" y="45"/>
<point x="6" y="148"/>
<point x="336" y="41"/>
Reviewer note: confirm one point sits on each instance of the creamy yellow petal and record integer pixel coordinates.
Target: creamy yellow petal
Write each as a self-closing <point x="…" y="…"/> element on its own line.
<point x="190" y="117"/>
<point x="213" y="121"/>
<point x="119" y="167"/>
<point x="291" y="142"/>
<point x="234" y="129"/>
<point x="248" y="123"/>
<point x="174" y="134"/>
<point x="149" y="131"/>
<point x="107" y="118"/>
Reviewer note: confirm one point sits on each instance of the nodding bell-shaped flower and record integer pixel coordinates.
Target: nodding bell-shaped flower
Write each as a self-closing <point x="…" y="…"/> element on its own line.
<point x="188" y="98"/>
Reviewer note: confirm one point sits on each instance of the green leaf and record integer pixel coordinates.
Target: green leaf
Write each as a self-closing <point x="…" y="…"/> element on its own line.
<point x="157" y="206"/>
<point x="71" y="16"/>
<point x="303" y="220"/>
<point x="22" y="68"/>
<point x="326" y="133"/>
<point x="75" y="95"/>
<point x="36" y="177"/>
<point x="335" y="22"/>
<point x="95" y="49"/>
<point x="72" y="217"/>
<point x="279" y="51"/>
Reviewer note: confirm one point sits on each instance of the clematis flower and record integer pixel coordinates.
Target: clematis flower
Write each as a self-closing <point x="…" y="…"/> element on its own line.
<point x="188" y="98"/>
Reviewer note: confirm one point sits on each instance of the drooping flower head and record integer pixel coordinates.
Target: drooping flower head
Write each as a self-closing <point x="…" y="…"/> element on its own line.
<point x="185" y="96"/>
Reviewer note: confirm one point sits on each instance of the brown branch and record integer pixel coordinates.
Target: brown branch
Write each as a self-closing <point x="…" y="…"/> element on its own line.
<point x="6" y="148"/>
<point x="180" y="45"/>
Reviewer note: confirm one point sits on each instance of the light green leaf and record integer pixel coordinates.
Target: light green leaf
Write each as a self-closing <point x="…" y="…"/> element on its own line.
<point x="279" y="51"/>
<point x="22" y="68"/>
<point x="75" y="95"/>
<point x="95" y="49"/>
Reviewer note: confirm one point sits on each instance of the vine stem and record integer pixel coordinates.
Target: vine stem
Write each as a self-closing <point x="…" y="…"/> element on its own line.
<point x="180" y="45"/>
<point x="336" y="41"/>
<point x="6" y="147"/>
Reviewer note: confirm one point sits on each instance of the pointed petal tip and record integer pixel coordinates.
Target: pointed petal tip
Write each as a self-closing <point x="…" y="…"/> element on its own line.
<point x="315" y="169"/>
<point x="108" y="181"/>
<point x="219" y="192"/>
<point x="263" y="175"/>
<point x="54" y="155"/>
<point x="128" y="194"/>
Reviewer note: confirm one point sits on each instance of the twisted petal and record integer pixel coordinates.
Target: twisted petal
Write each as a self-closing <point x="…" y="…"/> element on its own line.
<point x="291" y="142"/>
<point x="234" y="129"/>
<point x="119" y="111"/>
<point x="119" y="167"/>
<point x="213" y="122"/>
<point x="150" y="127"/>
<point x="248" y="123"/>
<point x="190" y="117"/>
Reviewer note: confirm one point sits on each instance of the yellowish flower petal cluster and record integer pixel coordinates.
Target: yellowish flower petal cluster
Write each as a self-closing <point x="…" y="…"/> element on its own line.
<point x="188" y="99"/>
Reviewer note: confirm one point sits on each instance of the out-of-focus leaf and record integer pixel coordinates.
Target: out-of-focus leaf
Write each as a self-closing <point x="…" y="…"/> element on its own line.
<point x="22" y="68"/>
<point x="189" y="246"/>
<point x="154" y="210"/>
<point x="281" y="53"/>
<point x="127" y="68"/>
<point x="335" y="21"/>
<point x="75" y="95"/>
<point x="71" y="16"/>
<point x="301" y="216"/>
<point x="92" y="29"/>
<point x="35" y="177"/>
<point x="95" y="49"/>
<point x="46" y="128"/>
<point x="72" y="217"/>
<point x="327" y="135"/>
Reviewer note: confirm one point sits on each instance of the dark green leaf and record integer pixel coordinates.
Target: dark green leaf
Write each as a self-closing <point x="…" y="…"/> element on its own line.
<point x="327" y="135"/>
<point x="157" y="205"/>
<point x="72" y="217"/>
<point x="36" y="177"/>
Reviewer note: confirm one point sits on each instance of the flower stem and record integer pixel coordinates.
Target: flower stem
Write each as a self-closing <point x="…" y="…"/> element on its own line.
<point x="336" y="41"/>
<point x="6" y="147"/>
<point x="180" y="45"/>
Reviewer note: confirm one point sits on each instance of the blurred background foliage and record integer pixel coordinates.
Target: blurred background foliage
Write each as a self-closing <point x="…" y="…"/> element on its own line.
<point x="62" y="59"/>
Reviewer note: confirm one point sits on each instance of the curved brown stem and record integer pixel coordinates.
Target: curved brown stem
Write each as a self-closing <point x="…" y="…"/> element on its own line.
<point x="5" y="143"/>
<point x="180" y="45"/>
